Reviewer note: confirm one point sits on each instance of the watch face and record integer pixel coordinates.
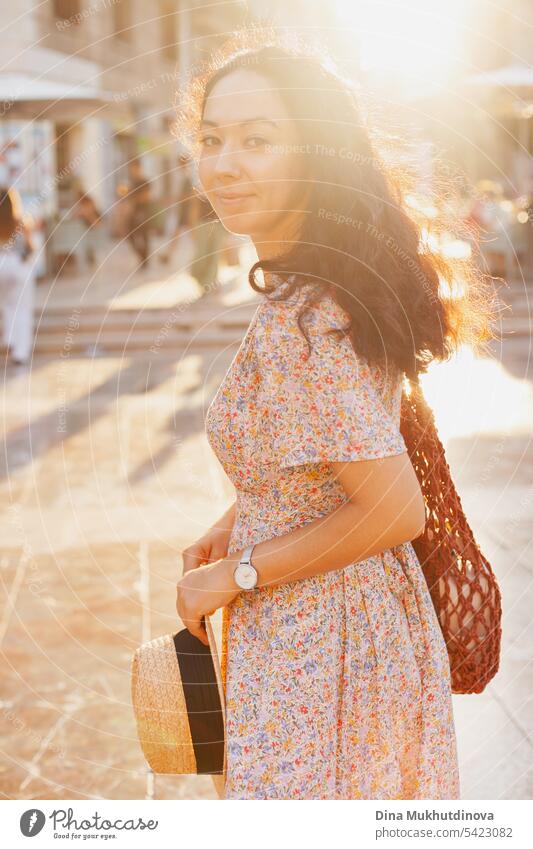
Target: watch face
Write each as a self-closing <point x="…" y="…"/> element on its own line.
<point x="246" y="577"/>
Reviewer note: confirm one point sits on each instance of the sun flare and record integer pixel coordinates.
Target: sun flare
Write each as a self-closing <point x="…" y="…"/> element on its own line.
<point x="412" y="38"/>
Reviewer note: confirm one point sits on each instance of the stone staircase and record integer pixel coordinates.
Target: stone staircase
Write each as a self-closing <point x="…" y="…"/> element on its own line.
<point x="96" y="329"/>
<point x="206" y="323"/>
<point x="202" y="324"/>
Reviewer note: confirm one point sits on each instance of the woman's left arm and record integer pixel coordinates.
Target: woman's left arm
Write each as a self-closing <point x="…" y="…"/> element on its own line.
<point x="384" y="508"/>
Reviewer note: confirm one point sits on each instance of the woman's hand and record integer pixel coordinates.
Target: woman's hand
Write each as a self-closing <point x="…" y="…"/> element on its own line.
<point x="203" y="590"/>
<point x="212" y="546"/>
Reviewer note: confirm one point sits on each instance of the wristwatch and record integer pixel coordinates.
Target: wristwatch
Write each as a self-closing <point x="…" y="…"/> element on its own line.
<point x="245" y="573"/>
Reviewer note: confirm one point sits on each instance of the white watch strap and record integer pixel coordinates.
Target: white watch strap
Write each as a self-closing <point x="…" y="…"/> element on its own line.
<point x="246" y="559"/>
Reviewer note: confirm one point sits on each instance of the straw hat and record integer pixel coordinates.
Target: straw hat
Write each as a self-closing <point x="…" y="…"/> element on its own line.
<point x="178" y="701"/>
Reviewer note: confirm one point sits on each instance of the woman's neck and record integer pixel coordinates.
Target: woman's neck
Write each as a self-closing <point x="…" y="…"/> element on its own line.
<point x="280" y="240"/>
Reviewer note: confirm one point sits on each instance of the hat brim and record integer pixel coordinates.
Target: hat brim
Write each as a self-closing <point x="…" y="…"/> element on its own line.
<point x="179" y="706"/>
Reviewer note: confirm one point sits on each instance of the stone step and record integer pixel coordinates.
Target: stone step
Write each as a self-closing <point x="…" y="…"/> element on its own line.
<point x="185" y="325"/>
<point x="138" y="341"/>
<point x="508" y="325"/>
<point x="186" y="320"/>
<point x="196" y="325"/>
<point x="176" y="339"/>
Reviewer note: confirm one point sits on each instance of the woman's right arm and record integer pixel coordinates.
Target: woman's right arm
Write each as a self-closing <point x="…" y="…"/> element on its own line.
<point x="213" y="545"/>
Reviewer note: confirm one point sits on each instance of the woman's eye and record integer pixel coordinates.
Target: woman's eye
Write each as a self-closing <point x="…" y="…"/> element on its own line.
<point x="255" y="141"/>
<point x="208" y="141"/>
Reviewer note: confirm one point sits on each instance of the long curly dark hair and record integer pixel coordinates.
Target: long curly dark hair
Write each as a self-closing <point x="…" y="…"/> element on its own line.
<point x="364" y="241"/>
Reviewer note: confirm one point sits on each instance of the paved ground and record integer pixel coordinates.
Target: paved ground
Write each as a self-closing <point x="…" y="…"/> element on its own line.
<point x="107" y="476"/>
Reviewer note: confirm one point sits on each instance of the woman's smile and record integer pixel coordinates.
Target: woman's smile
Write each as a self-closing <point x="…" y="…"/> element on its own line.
<point x="232" y="198"/>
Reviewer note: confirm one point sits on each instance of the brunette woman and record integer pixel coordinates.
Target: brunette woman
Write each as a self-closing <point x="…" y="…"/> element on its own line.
<point x="336" y="671"/>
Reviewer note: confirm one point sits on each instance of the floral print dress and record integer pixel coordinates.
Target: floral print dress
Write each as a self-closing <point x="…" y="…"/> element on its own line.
<point x="337" y="686"/>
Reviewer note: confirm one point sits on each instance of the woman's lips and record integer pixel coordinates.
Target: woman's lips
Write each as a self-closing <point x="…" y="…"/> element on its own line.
<point x="231" y="197"/>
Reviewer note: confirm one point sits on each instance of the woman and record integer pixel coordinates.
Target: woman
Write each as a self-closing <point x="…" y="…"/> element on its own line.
<point x="17" y="277"/>
<point x="87" y="212"/>
<point x="336" y="672"/>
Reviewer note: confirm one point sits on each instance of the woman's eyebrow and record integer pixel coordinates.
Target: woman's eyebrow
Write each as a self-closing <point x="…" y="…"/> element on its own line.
<point x="258" y="120"/>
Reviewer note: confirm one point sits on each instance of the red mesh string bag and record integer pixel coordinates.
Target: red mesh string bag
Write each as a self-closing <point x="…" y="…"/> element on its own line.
<point x="461" y="582"/>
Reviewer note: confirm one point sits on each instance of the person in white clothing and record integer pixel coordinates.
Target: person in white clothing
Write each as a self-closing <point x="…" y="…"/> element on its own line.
<point x="17" y="277"/>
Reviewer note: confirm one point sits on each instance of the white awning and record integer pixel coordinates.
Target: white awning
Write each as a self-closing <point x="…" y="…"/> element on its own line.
<point x="508" y="76"/>
<point x="40" y="99"/>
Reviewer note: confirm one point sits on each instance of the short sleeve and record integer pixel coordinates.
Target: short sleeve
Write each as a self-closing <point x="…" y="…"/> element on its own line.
<point x="323" y="408"/>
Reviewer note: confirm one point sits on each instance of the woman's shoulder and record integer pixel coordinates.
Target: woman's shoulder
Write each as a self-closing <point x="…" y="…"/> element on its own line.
<point x="280" y="343"/>
<point x="287" y="311"/>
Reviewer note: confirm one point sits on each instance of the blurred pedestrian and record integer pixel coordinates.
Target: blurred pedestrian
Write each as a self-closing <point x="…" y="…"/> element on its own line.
<point x="17" y="277"/>
<point x="119" y="215"/>
<point x="87" y="212"/>
<point x="209" y="244"/>
<point x="195" y="216"/>
<point x="180" y="213"/>
<point x="140" y="207"/>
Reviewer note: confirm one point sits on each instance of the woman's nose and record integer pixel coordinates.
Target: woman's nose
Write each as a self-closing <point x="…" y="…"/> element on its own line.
<point x="227" y="163"/>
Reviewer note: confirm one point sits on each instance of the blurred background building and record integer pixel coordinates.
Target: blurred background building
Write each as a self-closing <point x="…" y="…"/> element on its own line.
<point x="87" y="86"/>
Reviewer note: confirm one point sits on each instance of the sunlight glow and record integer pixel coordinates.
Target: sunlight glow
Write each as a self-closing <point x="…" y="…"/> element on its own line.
<point x="413" y="38"/>
<point x="472" y="396"/>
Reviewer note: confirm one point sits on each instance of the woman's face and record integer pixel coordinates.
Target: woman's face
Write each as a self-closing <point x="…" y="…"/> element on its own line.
<point x="251" y="159"/>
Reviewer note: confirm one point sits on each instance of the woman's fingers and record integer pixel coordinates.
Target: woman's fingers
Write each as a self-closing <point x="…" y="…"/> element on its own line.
<point x="197" y="629"/>
<point x="192" y="622"/>
<point x="193" y="557"/>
